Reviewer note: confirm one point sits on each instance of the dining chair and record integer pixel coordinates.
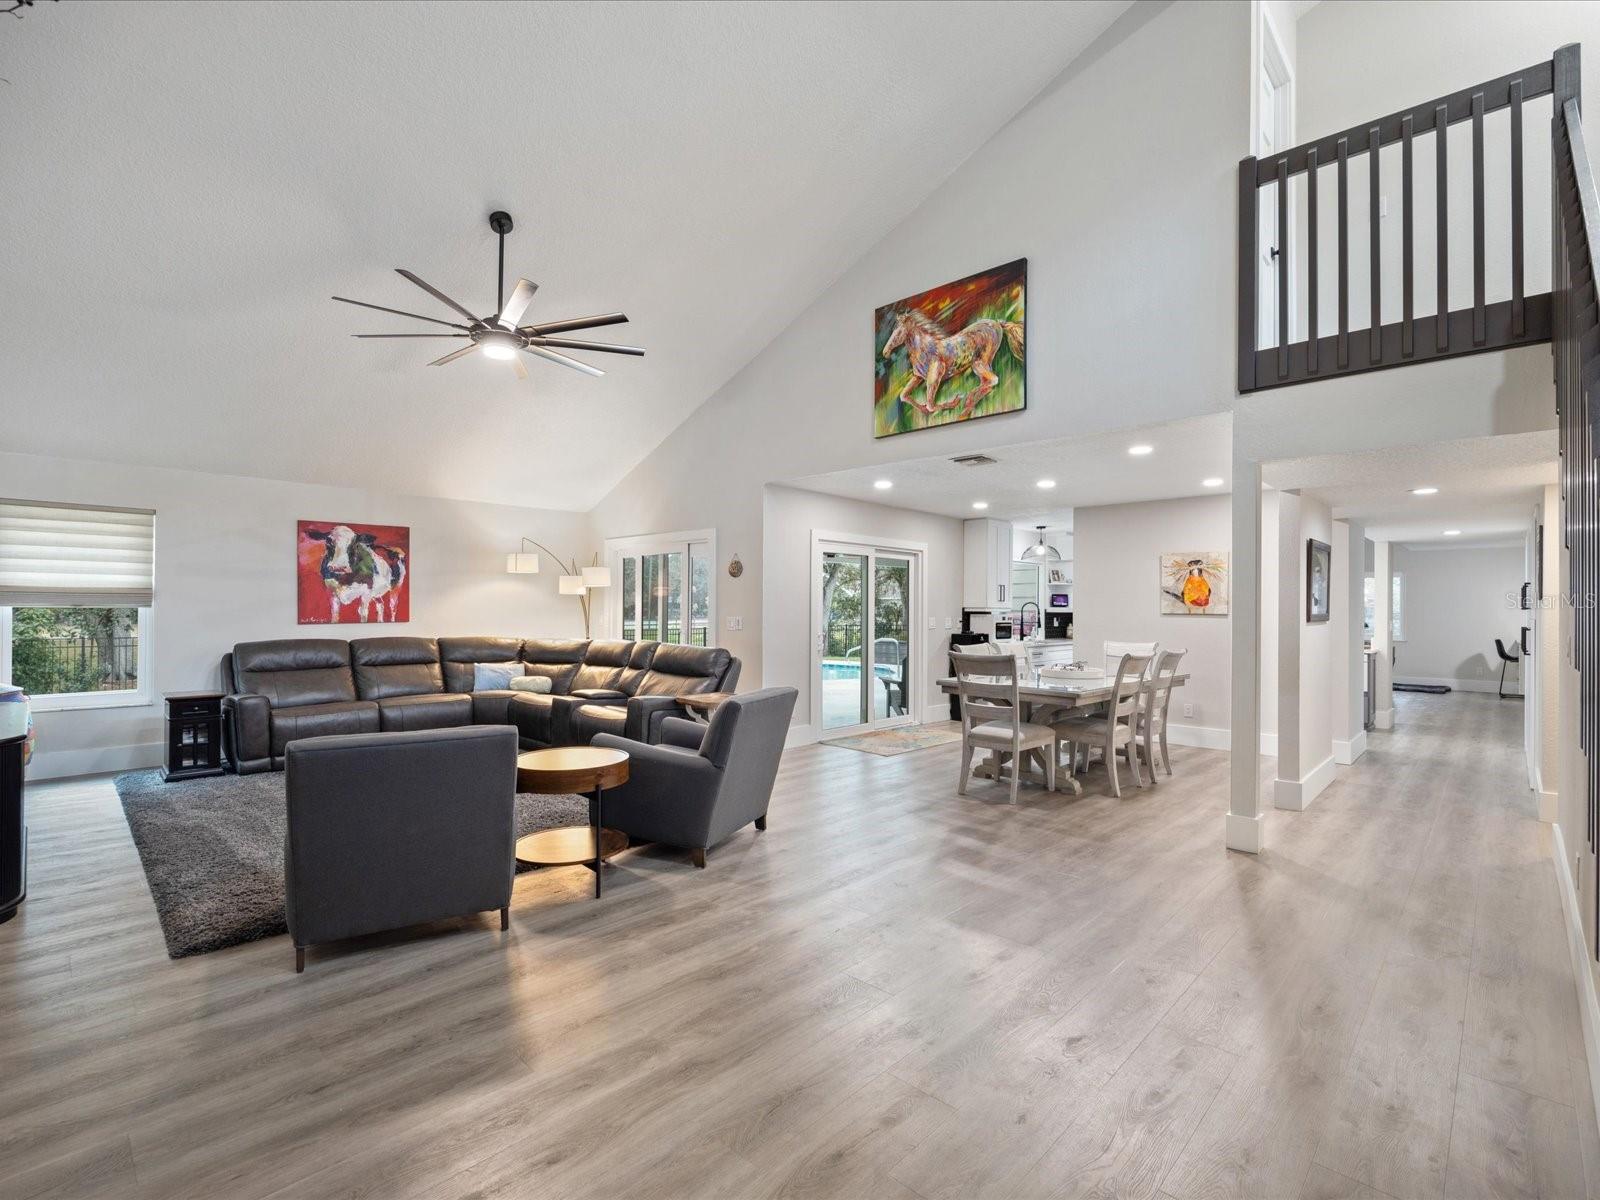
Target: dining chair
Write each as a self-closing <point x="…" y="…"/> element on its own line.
<point x="1114" y="652"/>
<point x="1114" y="731"/>
<point x="991" y="718"/>
<point x="1153" y="713"/>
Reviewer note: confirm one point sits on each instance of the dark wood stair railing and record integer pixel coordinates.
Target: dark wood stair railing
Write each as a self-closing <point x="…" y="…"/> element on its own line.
<point x="1575" y="231"/>
<point x="1518" y="321"/>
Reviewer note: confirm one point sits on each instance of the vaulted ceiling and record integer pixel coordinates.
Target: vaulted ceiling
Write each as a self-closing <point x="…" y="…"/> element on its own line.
<point x="185" y="186"/>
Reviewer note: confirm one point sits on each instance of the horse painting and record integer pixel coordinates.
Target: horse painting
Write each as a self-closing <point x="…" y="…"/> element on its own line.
<point x="937" y="357"/>
<point x="952" y="353"/>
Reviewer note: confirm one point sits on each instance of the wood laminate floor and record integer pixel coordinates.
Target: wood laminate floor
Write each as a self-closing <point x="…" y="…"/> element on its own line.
<point x="895" y="992"/>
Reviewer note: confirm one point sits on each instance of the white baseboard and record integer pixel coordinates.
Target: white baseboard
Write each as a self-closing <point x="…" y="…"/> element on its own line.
<point x="1583" y="971"/>
<point x="1464" y="685"/>
<point x="1204" y="737"/>
<point x="1269" y="745"/>
<point x="1297" y="794"/>
<point x="1549" y="807"/>
<point x="1345" y="753"/>
<point x="934" y="713"/>
<point x="1383" y="718"/>
<point x="1246" y="834"/>
<point x="800" y="735"/>
<point x="65" y="764"/>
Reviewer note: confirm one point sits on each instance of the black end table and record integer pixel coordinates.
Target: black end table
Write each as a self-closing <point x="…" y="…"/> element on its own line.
<point x="194" y="735"/>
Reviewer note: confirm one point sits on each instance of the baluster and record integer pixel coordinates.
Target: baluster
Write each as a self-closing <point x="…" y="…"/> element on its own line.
<point x="1441" y="137"/>
<point x="1283" y="267"/>
<point x="1519" y="318"/>
<point x="1376" y="337"/>
<point x="1407" y="316"/>
<point x="1344" y="253"/>
<point x="1480" y="332"/>
<point x="1311" y="260"/>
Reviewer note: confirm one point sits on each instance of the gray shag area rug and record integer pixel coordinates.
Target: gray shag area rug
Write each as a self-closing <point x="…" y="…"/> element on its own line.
<point x="212" y="851"/>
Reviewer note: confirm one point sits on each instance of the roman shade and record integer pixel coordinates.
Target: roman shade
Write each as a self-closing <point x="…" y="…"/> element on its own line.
<point x="65" y="554"/>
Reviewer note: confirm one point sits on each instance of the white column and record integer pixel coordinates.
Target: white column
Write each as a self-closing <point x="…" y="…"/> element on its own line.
<point x="1349" y="570"/>
<point x="1382" y="626"/>
<point x="1288" y="592"/>
<point x="1243" y="829"/>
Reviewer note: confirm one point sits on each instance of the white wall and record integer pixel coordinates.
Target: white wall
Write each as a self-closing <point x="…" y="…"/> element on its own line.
<point x="1118" y="549"/>
<point x="1117" y="183"/>
<point x="1457" y="601"/>
<point x="790" y="516"/>
<point x="1269" y="623"/>
<point x="225" y="573"/>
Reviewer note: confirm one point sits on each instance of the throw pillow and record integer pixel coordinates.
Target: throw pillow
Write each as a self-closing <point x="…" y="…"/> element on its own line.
<point x="491" y="677"/>
<point x="531" y="683"/>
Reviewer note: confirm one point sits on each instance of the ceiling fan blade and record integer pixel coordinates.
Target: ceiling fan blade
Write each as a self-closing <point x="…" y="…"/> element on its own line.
<point x="453" y="355"/>
<point x="565" y="361"/>
<point x="521" y="297"/>
<point x="437" y="294"/>
<point x="572" y="323"/>
<point x="408" y="335"/>
<point x="397" y="312"/>
<point x="573" y="344"/>
<point x="516" y="365"/>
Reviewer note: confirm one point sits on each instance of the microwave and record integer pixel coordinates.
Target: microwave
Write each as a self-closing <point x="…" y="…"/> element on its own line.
<point x="1060" y="600"/>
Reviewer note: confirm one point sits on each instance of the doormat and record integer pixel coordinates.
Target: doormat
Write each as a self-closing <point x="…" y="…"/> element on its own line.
<point x="1433" y="689"/>
<point x="887" y="742"/>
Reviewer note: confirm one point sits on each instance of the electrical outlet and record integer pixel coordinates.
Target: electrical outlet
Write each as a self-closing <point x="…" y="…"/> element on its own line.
<point x="933" y="622"/>
<point x="1188" y="710"/>
<point x="735" y="624"/>
<point x="947" y="623"/>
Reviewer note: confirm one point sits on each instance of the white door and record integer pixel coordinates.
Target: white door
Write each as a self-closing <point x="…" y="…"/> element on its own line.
<point x="866" y="659"/>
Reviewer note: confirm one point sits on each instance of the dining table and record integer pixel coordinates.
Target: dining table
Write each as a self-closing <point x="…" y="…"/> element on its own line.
<point x="1044" y="698"/>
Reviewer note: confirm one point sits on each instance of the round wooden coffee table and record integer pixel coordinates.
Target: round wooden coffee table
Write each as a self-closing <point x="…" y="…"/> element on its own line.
<point x="560" y="771"/>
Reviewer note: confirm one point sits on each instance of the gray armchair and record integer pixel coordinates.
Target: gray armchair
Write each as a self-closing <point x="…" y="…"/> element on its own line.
<point x="703" y="782"/>
<point x="392" y="829"/>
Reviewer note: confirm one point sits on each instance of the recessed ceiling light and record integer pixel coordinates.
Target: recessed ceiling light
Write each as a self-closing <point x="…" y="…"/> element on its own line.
<point x="883" y="485"/>
<point x="1452" y="533"/>
<point x="1141" y="449"/>
<point x="1047" y="483"/>
<point x="1212" y="482"/>
<point x="980" y="504"/>
<point x="1425" y="491"/>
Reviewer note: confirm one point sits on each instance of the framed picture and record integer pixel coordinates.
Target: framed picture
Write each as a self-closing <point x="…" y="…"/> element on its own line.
<point x="348" y="572"/>
<point x="1194" y="583"/>
<point x="952" y="353"/>
<point x="1319" y="580"/>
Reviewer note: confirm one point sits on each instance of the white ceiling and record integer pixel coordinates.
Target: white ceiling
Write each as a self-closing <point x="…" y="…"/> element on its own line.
<point x="1486" y="487"/>
<point x="186" y="185"/>
<point x="1089" y="470"/>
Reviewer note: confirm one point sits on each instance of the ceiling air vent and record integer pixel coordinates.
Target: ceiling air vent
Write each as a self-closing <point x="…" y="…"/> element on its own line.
<point x="973" y="460"/>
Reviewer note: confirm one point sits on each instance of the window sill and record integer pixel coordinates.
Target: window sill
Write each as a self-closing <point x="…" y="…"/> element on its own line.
<point x="75" y="701"/>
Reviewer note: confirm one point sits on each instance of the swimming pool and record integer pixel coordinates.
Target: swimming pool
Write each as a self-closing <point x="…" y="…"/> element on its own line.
<point x="850" y="668"/>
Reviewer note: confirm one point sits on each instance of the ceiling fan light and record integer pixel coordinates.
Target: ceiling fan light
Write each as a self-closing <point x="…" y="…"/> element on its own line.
<point x="501" y="346"/>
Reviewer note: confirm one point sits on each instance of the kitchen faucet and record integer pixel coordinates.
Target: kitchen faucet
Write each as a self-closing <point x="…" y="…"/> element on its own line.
<point x="1022" y="615"/>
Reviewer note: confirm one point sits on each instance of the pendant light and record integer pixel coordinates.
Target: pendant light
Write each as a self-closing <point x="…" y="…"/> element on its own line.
<point x="1043" y="552"/>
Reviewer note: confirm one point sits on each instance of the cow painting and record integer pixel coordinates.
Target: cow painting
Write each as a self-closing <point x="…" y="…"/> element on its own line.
<point x="347" y="572"/>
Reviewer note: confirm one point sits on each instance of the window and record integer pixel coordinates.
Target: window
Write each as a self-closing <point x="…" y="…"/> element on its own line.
<point x="1397" y="614"/>
<point x="75" y="597"/>
<point x="667" y="591"/>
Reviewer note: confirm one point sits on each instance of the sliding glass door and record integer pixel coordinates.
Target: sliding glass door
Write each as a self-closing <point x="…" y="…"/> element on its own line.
<point x="664" y="591"/>
<point x="864" y="636"/>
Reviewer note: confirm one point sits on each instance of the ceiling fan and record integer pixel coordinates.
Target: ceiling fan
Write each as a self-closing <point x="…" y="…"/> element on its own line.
<point x="500" y="336"/>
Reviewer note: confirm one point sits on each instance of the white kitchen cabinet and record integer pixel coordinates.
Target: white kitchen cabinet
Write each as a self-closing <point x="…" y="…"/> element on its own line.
<point x="987" y="576"/>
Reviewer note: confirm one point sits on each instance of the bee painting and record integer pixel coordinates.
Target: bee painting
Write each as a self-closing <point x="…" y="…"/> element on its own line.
<point x="1194" y="583"/>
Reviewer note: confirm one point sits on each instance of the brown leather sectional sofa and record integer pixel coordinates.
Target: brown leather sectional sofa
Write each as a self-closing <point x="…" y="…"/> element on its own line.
<point x="278" y="691"/>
